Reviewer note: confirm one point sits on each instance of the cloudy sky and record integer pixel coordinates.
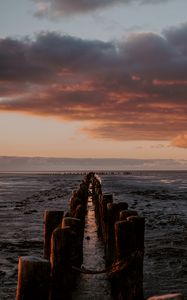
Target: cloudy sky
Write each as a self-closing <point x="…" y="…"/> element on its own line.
<point x="100" y="78"/>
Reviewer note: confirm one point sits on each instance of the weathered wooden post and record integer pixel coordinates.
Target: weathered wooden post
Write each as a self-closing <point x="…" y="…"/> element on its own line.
<point x="76" y="246"/>
<point x="97" y="191"/>
<point x="104" y="200"/>
<point x="121" y="206"/>
<point x="98" y="213"/>
<point x="124" y="214"/>
<point x="77" y="242"/>
<point x="33" y="278"/>
<point x="61" y="271"/>
<point x="168" y="297"/>
<point x="113" y="213"/>
<point x="75" y="200"/>
<point x="52" y="219"/>
<point x="93" y="186"/>
<point x="96" y="202"/>
<point x="129" y="251"/>
<point x="80" y="214"/>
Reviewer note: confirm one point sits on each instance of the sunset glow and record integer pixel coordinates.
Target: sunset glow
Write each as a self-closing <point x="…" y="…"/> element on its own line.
<point x="67" y="95"/>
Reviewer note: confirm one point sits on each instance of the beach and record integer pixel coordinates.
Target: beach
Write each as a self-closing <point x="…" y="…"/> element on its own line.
<point x="158" y="196"/>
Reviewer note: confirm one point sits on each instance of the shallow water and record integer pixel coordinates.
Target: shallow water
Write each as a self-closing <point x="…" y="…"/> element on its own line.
<point x="159" y="196"/>
<point x="22" y="205"/>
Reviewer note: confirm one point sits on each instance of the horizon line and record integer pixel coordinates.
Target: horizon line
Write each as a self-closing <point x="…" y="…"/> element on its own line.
<point x="92" y="158"/>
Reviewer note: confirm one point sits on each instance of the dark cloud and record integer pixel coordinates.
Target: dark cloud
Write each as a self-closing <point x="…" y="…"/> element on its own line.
<point x="49" y="54"/>
<point x="59" y="8"/>
<point x="177" y="36"/>
<point x="133" y="89"/>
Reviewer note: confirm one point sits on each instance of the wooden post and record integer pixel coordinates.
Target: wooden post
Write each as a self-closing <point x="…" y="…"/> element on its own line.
<point x="121" y="206"/>
<point x="104" y="200"/>
<point x="33" y="278"/>
<point x="130" y="249"/>
<point x="61" y="272"/>
<point x="75" y="200"/>
<point x="139" y="230"/>
<point x="124" y="214"/>
<point x="112" y="213"/>
<point x="123" y="236"/>
<point x="52" y="219"/>
<point x="80" y="214"/>
<point x="168" y="297"/>
<point x="97" y="191"/>
<point x="93" y="186"/>
<point x="96" y="201"/>
<point x="77" y="245"/>
<point x="100" y="217"/>
<point x="74" y="223"/>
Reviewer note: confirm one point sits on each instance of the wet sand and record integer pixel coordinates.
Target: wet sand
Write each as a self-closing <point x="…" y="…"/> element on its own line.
<point x="91" y="287"/>
<point x="163" y="203"/>
<point x="23" y="199"/>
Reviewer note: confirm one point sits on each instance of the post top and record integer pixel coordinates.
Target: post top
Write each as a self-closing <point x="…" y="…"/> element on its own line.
<point x="32" y="258"/>
<point x="167" y="297"/>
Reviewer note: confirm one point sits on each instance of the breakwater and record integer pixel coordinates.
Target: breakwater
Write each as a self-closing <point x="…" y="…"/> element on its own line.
<point x="120" y="229"/>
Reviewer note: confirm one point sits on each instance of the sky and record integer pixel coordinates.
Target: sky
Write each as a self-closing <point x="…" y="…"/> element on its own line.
<point x="100" y="78"/>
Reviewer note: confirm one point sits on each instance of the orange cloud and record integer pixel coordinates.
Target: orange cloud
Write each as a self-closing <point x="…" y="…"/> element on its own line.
<point x="134" y="89"/>
<point x="180" y="141"/>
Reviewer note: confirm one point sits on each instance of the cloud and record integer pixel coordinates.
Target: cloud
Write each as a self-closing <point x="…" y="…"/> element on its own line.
<point x="176" y="36"/>
<point x="180" y="141"/>
<point x="59" y="8"/>
<point x="133" y="89"/>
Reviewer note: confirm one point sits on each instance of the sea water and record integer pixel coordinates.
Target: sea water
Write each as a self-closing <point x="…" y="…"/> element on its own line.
<point x="158" y="196"/>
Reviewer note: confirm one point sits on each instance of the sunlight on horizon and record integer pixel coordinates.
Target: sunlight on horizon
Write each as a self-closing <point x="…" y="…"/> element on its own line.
<point x="46" y="137"/>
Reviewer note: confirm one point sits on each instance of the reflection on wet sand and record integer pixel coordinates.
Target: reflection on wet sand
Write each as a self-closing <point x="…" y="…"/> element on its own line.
<point x="92" y="287"/>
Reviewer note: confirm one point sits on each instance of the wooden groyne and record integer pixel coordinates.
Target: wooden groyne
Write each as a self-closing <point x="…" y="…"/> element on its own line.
<point x="55" y="276"/>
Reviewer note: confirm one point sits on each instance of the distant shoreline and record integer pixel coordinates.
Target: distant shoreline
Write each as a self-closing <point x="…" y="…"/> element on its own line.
<point x="99" y="172"/>
<point x="74" y="165"/>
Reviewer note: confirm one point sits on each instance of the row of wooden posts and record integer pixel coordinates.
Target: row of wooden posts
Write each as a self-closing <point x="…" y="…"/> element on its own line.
<point x="52" y="277"/>
<point x="122" y="231"/>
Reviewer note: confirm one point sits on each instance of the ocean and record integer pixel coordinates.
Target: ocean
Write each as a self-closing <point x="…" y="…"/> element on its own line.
<point x="160" y="196"/>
